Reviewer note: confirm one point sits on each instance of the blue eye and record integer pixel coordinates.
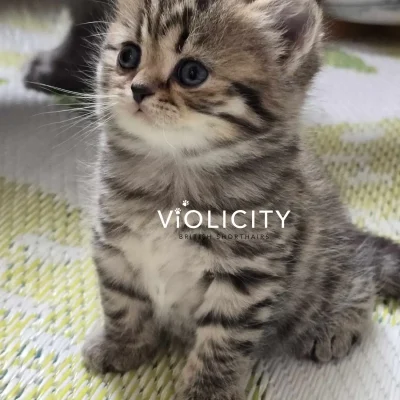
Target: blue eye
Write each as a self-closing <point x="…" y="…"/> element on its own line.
<point x="129" y="56"/>
<point x="191" y="73"/>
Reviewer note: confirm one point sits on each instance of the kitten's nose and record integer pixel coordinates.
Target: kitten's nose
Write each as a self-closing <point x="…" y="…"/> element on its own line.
<point x="140" y="92"/>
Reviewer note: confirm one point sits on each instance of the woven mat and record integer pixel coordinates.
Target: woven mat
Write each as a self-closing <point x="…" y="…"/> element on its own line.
<point x="48" y="294"/>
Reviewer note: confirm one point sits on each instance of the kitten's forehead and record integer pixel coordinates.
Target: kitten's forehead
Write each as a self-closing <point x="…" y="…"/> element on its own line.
<point x="215" y="31"/>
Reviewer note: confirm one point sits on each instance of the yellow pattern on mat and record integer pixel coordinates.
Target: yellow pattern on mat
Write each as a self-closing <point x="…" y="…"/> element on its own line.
<point x="363" y="160"/>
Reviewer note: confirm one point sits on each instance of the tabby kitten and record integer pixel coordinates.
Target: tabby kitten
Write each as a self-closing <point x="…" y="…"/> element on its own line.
<point x="201" y="100"/>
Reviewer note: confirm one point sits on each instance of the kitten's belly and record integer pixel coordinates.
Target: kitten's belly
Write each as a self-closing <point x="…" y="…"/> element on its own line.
<point x="171" y="272"/>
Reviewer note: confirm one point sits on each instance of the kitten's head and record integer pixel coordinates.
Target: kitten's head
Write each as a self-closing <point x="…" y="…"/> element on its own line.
<point x="192" y="73"/>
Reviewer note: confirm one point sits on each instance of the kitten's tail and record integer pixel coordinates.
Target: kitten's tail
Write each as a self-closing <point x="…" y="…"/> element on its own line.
<point x="385" y="259"/>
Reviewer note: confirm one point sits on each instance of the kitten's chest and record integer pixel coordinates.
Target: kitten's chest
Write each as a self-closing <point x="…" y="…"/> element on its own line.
<point x="171" y="270"/>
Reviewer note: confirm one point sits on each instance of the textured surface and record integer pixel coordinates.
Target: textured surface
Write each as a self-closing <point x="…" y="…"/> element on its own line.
<point x="48" y="294"/>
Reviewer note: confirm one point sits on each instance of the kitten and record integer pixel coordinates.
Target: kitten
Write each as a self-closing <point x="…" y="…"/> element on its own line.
<point x="200" y="101"/>
<point x="68" y="66"/>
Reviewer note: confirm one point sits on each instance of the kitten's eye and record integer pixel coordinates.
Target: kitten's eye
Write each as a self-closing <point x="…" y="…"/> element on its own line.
<point x="129" y="56"/>
<point x="191" y="73"/>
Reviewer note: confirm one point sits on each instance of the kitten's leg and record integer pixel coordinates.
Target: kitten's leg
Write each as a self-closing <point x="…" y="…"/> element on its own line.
<point x="230" y="324"/>
<point x="129" y="335"/>
<point x="215" y="367"/>
<point x="70" y="65"/>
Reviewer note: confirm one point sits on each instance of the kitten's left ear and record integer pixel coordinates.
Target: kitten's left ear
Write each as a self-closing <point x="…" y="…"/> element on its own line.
<point x="296" y="23"/>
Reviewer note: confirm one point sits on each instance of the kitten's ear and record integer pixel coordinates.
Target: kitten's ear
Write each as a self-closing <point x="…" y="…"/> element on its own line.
<point x="298" y="23"/>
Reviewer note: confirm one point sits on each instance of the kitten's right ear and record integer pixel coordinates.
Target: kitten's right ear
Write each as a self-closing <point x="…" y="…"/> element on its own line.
<point x="296" y="23"/>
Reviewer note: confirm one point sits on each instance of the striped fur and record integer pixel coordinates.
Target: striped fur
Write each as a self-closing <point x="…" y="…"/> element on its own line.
<point x="229" y="144"/>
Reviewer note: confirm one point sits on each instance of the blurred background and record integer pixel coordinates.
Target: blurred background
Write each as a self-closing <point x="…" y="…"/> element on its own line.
<point x="48" y="140"/>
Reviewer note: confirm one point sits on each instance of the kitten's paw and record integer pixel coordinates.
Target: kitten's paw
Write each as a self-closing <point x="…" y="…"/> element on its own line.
<point x="215" y="396"/>
<point x="327" y="347"/>
<point x="207" y="392"/>
<point x="103" y="355"/>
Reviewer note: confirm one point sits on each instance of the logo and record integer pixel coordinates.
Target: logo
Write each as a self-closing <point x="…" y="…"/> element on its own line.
<point x="194" y="219"/>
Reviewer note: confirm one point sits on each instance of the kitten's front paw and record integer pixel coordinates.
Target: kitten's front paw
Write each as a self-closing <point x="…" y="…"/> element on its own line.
<point x="103" y="355"/>
<point x="208" y="392"/>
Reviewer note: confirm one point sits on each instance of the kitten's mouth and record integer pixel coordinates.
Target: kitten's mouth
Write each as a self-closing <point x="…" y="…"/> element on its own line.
<point x="141" y="114"/>
<point x="139" y="109"/>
